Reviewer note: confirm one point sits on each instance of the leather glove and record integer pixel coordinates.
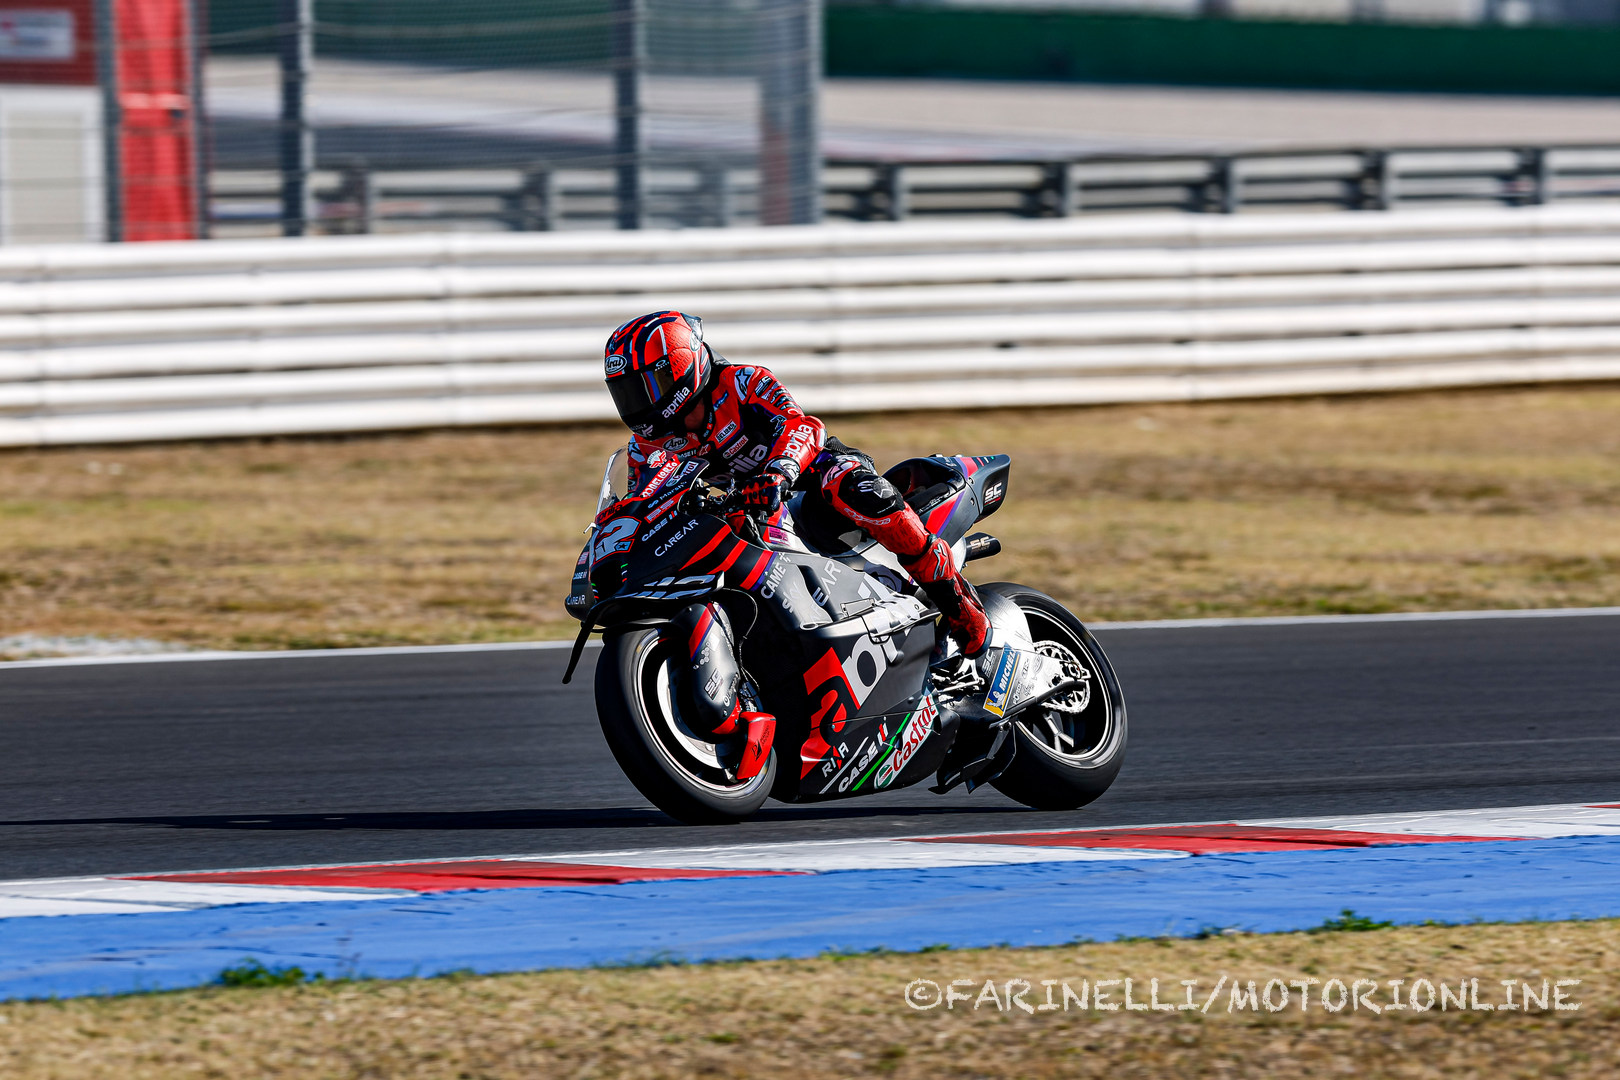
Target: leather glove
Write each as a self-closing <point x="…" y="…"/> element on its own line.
<point x="762" y="493"/>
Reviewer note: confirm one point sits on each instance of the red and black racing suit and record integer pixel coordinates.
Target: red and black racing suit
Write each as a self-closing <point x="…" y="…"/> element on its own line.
<point x="754" y="426"/>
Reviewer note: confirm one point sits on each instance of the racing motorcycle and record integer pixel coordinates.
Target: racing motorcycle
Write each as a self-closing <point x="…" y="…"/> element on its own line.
<point x="703" y="608"/>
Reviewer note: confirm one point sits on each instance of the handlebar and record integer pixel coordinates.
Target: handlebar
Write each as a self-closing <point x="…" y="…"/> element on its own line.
<point x="724" y="505"/>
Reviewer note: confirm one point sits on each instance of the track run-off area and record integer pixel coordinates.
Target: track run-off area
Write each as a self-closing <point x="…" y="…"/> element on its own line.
<point x="1411" y="767"/>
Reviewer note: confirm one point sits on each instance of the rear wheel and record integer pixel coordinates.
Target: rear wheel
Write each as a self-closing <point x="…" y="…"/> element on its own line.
<point x="1071" y="747"/>
<point x="682" y="774"/>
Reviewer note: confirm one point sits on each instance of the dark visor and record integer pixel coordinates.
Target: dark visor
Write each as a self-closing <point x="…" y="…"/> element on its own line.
<point x="636" y="394"/>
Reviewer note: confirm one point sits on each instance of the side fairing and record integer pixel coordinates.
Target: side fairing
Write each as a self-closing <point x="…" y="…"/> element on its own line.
<point x="877" y="753"/>
<point x="848" y="656"/>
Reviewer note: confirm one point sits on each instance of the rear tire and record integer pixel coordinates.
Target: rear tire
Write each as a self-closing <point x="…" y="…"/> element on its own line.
<point x="680" y="773"/>
<point x="1068" y="754"/>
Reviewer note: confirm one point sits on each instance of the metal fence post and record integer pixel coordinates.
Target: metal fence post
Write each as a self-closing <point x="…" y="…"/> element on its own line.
<point x="1217" y="192"/>
<point x="1069" y="197"/>
<point x="297" y="54"/>
<point x="629" y="133"/>
<point x="789" y="123"/>
<point x="202" y="150"/>
<point x="890" y="180"/>
<point x="1054" y="196"/>
<point x="1228" y="186"/>
<point x="112" y="124"/>
<point x="1388" y="182"/>
<point x="358" y="192"/>
<point x="714" y="192"/>
<point x="1375" y="188"/>
<point x="1535" y="171"/>
<point x="534" y="207"/>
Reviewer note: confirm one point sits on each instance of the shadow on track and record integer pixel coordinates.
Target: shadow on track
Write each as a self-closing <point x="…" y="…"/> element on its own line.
<point x="476" y="820"/>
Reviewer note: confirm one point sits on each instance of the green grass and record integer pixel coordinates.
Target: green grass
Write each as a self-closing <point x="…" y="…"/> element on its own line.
<point x="1349" y="922"/>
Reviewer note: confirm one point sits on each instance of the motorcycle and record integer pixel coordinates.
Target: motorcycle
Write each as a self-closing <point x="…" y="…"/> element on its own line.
<point x="834" y="639"/>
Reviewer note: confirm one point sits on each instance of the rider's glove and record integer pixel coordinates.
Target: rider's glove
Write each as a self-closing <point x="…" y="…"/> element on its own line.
<point x="763" y="492"/>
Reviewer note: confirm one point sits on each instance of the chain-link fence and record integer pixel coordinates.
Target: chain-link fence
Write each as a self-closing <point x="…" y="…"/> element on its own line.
<point x="166" y="119"/>
<point x="349" y="116"/>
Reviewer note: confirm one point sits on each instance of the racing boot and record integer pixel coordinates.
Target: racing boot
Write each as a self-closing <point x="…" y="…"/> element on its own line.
<point x="965" y="620"/>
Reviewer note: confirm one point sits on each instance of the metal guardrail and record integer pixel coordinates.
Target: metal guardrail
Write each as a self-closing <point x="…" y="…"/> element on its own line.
<point x="712" y="193"/>
<point x="121" y="343"/>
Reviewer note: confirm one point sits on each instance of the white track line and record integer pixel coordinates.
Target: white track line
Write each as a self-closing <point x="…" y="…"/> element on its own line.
<point x="291" y="654"/>
<point x="898" y="853"/>
<point x="522" y="646"/>
<point x="1381" y="617"/>
<point x="114" y="896"/>
<point x="1518" y="822"/>
<point x="1529" y="822"/>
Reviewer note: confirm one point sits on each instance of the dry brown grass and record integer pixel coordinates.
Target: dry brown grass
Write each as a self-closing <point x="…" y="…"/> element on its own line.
<point x="847" y="1017"/>
<point x="1499" y="498"/>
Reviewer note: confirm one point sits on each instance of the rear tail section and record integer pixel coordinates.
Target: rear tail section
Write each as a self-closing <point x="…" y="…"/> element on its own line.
<point x="950" y="494"/>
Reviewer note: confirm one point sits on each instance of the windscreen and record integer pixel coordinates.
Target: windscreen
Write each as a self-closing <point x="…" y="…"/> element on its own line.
<point x="615" y="480"/>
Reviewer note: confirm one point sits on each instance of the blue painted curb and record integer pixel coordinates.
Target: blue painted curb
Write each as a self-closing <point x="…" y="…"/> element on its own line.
<point x="731" y="918"/>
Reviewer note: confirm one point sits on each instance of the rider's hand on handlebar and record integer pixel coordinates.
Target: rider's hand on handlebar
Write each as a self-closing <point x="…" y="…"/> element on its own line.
<point x="763" y="493"/>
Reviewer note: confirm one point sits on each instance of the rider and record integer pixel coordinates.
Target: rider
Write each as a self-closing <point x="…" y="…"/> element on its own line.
<point x="681" y="399"/>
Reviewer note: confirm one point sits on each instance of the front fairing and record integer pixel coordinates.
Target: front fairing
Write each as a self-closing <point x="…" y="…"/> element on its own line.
<point x="629" y="523"/>
<point x="668" y="560"/>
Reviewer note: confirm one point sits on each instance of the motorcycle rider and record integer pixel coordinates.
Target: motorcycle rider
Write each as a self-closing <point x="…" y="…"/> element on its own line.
<point x="682" y="400"/>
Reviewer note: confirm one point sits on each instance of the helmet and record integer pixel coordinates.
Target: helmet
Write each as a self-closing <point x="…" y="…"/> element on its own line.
<point x="657" y="368"/>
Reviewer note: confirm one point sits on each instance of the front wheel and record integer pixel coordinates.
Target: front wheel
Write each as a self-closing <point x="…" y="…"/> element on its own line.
<point x="683" y="775"/>
<point x="1069" y="749"/>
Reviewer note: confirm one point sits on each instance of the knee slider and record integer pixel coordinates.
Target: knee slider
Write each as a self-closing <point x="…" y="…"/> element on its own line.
<point x="708" y="682"/>
<point x="869" y="494"/>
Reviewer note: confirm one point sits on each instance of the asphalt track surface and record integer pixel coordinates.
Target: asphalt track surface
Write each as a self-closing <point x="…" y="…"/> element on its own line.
<point x="122" y="768"/>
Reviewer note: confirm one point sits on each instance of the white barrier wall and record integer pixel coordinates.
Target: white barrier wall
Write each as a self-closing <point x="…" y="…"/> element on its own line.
<point x="200" y="340"/>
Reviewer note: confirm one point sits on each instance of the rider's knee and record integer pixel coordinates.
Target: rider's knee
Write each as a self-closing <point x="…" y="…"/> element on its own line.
<point x="863" y="490"/>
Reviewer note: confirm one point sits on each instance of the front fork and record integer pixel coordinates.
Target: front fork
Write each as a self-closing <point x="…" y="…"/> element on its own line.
<point x="711" y="684"/>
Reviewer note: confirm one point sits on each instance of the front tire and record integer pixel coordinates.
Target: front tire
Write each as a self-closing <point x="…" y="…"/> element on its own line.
<point x="1069" y="753"/>
<point x="682" y="774"/>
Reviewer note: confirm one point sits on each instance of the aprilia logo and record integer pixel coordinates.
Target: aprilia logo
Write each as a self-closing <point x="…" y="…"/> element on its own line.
<point x="674" y="406"/>
<point x="800" y="440"/>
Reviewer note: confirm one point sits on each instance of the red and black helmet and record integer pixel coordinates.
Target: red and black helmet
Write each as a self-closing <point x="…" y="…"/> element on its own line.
<point x="657" y="368"/>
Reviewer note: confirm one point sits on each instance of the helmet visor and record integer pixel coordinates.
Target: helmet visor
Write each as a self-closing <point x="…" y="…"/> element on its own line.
<point x="637" y="394"/>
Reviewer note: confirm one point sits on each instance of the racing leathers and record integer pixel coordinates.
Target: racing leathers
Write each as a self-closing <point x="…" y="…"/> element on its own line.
<point x="756" y="434"/>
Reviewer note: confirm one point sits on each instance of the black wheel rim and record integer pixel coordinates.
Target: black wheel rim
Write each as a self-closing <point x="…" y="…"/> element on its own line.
<point x="1081" y="728"/>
